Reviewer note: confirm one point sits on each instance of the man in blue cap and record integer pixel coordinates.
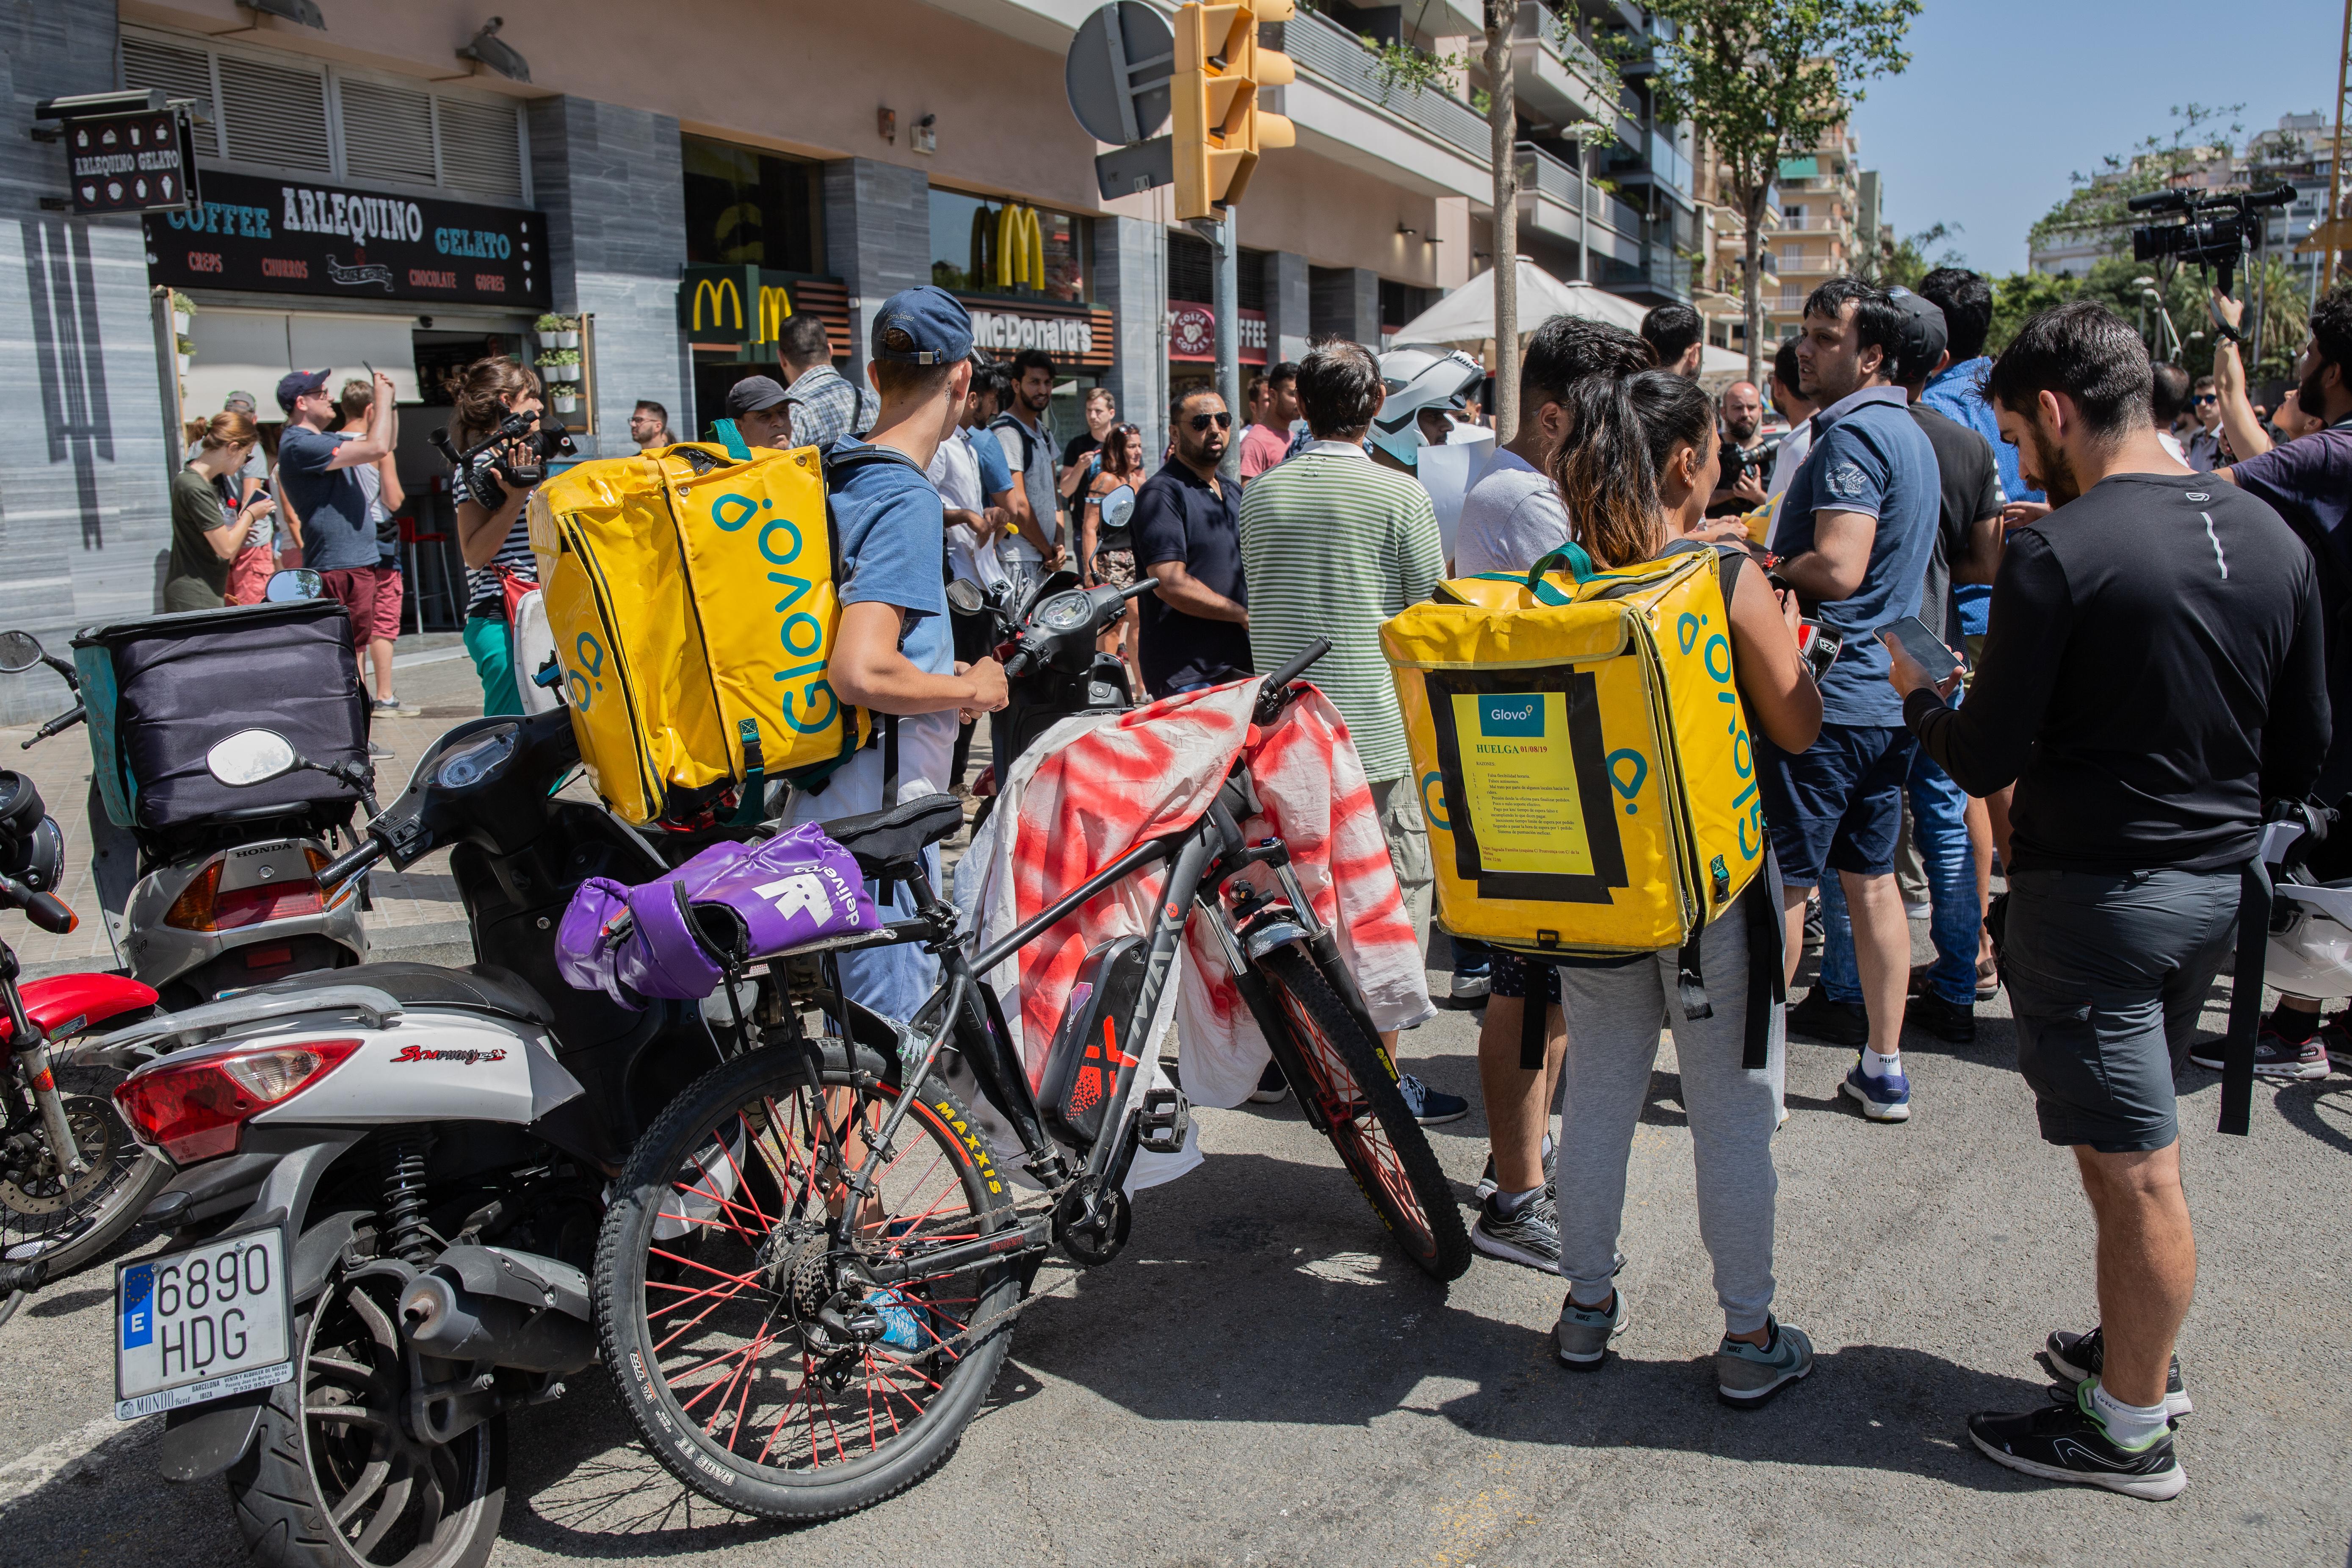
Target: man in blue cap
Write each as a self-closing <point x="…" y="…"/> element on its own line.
<point x="893" y="653"/>
<point x="318" y="471"/>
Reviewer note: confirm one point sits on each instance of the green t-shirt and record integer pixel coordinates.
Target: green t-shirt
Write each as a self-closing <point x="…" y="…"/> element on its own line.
<point x="1332" y="545"/>
<point x="198" y="578"/>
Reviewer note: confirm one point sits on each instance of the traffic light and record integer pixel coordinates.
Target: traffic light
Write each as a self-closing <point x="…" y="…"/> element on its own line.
<point x="1218" y="127"/>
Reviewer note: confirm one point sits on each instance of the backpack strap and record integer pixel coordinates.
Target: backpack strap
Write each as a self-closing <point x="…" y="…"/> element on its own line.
<point x="725" y="432"/>
<point x="2246" y="996"/>
<point x="1768" y="984"/>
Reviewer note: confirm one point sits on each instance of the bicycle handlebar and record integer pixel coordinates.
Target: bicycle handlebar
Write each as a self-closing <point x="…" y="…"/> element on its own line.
<point x="1275" y="695"/>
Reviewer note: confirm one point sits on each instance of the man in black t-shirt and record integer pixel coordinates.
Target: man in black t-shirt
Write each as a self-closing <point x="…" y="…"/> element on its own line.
<point x="2154" y="671"/>
<point x="1195" y="629"/>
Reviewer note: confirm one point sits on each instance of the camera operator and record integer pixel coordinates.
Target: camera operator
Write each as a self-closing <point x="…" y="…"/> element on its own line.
<point x="2152" y="674"/>
<point x="1746" y="454"/>
<point x="492" y="533"/>
<point x="2308" y="482"/>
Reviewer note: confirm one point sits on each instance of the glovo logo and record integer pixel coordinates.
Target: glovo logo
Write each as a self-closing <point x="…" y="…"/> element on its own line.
<point x="776" y="305"/>
<point x="721" y="293"/>
<point x="1020" y="248"/>
<point x="587" y="671"/>
<point x="799" y="632"/>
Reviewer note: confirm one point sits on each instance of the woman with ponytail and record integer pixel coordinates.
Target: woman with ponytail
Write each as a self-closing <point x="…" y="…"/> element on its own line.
<point x="495" y="538"/>
<point x="1635" y="473"/>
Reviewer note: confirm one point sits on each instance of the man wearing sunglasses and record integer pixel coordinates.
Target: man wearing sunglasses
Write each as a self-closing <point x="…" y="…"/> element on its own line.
<point x="1196" y="627"/>
<point x="2204" y="444"/>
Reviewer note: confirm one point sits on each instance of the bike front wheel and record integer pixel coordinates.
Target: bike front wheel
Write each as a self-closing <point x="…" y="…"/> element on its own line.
<point x="1354" y="1085"/>
<point x="759" y="1360"/>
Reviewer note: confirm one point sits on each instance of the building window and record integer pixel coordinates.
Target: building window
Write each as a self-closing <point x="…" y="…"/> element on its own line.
<point x="749" y="208"/>
<point x="977" y="248"/>
<point x="287" y="114"/>
<point x="1400" y="302"/>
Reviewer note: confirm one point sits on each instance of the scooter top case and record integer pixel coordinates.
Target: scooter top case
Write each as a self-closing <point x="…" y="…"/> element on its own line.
<point x="161" y="690"/>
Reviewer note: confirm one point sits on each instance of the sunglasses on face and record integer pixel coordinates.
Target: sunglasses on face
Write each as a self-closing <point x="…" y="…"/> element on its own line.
<point x="1221" y="421"/>
<point x="2205" y="397"/>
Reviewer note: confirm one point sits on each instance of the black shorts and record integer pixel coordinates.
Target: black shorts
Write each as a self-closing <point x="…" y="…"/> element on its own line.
<point x="2106" y="972"/>
<point x="1838" y="804"/>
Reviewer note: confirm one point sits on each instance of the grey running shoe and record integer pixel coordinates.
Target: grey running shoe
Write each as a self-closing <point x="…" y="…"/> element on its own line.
<point x="2075" y="1358"/>
<point x="1746" y="1376"/>
<point x="1487" y="1186"/>
<point x="1531" y="1236"/>
<point x="1583" y="1333"/>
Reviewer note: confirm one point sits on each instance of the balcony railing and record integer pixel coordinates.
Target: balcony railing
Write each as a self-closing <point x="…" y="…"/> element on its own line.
<point x="1331" y="52"/>
<point x="1812" y="223"/>
<point x="1548" y="177"/>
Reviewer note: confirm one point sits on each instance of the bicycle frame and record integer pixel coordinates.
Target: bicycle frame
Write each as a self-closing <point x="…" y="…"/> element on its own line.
<point x="1205" y="856"/>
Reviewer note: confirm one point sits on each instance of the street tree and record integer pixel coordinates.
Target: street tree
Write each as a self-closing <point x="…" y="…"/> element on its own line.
<point x="1765" y="79"/>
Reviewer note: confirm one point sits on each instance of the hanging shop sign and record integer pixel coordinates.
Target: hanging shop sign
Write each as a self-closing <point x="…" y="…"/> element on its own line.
<point x="1193" y="333"/>
<point x="1078" y="336"/>
<point x="739" y="309"/>
<point x="131" y="163"/>
<point x="291" y="236"/>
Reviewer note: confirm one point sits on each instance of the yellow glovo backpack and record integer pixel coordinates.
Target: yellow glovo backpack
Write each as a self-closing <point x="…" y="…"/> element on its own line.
<point x="1585" y="763"/>
<point x="690" y="593"/>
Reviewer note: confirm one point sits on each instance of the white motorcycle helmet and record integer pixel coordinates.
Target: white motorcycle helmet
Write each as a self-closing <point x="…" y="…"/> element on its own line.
<point x="2310" y="948"/>
<point x="1415" y="379"/>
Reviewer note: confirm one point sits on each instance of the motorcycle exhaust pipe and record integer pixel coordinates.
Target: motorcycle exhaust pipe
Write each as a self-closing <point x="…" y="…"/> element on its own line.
<point x="441" y="1318"/>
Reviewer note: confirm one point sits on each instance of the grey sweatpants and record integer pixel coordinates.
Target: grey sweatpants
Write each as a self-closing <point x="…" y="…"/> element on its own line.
<point x="1612" y="1041"/>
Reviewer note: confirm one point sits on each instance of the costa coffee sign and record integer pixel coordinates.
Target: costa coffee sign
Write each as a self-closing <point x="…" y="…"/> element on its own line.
<point x="1193" y="333"/>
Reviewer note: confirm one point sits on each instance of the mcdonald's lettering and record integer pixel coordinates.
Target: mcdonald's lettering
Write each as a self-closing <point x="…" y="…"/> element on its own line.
<point x="720" y="294"/>
<point x="776" y="304"/>
<point x="1020" y="248"/>
<point x="1070" y="335"/>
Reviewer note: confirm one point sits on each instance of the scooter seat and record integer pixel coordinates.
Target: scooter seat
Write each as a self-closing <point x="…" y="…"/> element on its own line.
<point x="886" y="842"/>
<point x="477" y="987"/>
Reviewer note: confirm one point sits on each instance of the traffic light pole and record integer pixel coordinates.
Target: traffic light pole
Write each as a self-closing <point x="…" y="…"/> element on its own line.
<point x="1227" y="303"/>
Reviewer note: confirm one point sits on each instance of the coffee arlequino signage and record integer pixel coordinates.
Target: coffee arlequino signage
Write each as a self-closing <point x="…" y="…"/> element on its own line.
<point x="295" y="237"/>
<point x="740" y="309"/>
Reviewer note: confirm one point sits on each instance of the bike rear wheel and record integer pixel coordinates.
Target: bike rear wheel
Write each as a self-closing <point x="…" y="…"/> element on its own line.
<point x="1354" y="1085"/>
<point x="743" y="1338"/>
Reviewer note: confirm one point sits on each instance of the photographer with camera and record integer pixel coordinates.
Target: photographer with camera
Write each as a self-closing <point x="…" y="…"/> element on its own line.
<point x="491" y="492"/>
<point x="1746" y="456"/>
<point x="2154" y="672"/>
<point x="2307" y="481"/>
<point x="320" y="472"/>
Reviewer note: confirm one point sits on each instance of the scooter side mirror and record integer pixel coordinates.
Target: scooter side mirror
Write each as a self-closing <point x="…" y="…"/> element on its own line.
<point x="19" y="651"/>
<point x="299" y="583"/>
<point x="251" y="757"/>
<point x="1117" y="507"/>
<point x="963" y="597"/>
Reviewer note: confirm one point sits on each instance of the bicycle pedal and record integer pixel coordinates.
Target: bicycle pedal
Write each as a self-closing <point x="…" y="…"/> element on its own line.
<point x="1166" y="1117"/>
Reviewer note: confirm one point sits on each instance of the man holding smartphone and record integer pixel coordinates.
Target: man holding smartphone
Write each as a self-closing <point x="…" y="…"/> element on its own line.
<point x="2155" y="669"/>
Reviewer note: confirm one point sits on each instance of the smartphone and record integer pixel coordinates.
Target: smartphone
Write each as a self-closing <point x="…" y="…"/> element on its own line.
<point x="1925" y="646"/>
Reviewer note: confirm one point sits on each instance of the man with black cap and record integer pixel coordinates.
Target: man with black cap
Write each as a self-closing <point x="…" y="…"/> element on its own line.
<point x="318" y="470"/>
<point x="762" y="415"/>
<point x="1855" y="530"/>
<point x="1966" y="548"/>
<point x="893" y="653"/>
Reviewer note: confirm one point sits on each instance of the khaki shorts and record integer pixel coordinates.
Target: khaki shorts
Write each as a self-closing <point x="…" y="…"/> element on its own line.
<point x="1399" y="805"/>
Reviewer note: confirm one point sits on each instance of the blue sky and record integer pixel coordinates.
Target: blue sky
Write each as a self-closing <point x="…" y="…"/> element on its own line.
<point x="2005" y="98"/>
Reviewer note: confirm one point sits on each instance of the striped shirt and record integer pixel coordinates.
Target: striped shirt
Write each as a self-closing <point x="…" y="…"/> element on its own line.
<point x="486" y="596"/>
<point x="1333" y="545"/>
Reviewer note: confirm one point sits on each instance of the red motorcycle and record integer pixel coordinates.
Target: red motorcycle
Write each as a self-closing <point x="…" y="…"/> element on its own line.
<point x="72" y="1179"/>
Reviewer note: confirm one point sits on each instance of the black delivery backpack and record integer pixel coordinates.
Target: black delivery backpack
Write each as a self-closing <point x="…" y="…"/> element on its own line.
<point x="162" y="692"/>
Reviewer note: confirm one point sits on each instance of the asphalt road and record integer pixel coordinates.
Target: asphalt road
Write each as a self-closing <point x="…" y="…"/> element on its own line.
<point x="1260" y="1380"/>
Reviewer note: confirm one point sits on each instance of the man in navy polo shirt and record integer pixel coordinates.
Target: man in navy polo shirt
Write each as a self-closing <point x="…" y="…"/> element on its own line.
<point x="894" y="654"/>
<point x="1856" y="529"/>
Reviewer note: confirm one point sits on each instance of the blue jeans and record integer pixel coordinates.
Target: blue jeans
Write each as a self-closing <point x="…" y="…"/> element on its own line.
<point x="1938" y="816"/>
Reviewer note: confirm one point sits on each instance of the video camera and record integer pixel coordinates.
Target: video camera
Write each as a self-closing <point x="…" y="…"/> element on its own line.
<point x="1739" y="461"/>
<point x="2218" y="232"/>
<point x="519" y="451"/>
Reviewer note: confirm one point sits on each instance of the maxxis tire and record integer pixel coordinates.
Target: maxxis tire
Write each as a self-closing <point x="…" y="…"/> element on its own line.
<point x="618" y="1293"/>
<point x="1442" y="1246"/>
<point x="277" y="1511"/>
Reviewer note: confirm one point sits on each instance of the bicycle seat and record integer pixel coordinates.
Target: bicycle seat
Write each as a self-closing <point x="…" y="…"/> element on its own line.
<point x="477" y="987"/>
<point x="886" y="842"/>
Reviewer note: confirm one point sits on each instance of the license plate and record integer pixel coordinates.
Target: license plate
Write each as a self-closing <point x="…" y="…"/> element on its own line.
<point x="202" y="1324"/>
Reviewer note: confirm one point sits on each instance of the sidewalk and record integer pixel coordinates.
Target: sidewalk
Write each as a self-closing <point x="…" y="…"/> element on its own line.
<point x="416" y="912"/>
